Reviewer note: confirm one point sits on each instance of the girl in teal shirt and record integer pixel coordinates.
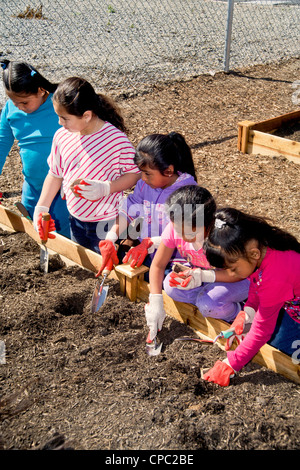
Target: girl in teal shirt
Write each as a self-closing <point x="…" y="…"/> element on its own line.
<point x="29" y="117"/>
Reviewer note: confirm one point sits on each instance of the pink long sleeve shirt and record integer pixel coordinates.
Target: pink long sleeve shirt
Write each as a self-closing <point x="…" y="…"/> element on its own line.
<point x="274" y="283"/>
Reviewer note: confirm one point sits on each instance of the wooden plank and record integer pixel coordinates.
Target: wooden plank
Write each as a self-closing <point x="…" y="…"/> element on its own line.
<point x="276" y="122"/>
<point x="88" y="259"/>
<point x="243" y="132"/>
<point x="268" y="144"/>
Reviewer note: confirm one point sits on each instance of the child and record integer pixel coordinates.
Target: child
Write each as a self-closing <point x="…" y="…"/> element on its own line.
<point x="28" y="117"/>
<point x="248" y="246"/>
<point x="166" y="163"/>
<point x="215" y="293"/>
<point x="91" y="157"/>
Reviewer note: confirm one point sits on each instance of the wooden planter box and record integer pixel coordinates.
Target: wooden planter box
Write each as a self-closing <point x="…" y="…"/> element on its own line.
<point x="258" y="138"/>
<point x="134" y="287"/>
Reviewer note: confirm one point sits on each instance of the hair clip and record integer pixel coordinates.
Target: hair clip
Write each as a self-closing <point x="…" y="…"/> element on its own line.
<point x="3" y="65"/>
<point x="33" y="72"/>
<point x="219" y="223"/>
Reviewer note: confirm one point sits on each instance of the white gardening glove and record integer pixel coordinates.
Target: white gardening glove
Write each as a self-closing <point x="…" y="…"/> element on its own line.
<point x="191" y="278"/>
<point x="92" y="190"/>
<point x="241" y="325"/>
<point x="155" y="314"/>
<point x="37" y="211"/>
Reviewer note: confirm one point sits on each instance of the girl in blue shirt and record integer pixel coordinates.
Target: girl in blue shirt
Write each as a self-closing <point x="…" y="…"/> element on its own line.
<point x="29" y="117"/>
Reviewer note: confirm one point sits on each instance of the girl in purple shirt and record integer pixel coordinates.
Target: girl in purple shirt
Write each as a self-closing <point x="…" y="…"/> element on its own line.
<point x="270" y="257"/>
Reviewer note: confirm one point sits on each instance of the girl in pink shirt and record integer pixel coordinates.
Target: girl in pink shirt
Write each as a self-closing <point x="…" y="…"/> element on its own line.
<point x="214" y="292"/>
<point x="270" y="257"/>
<point x="93" y="160"/>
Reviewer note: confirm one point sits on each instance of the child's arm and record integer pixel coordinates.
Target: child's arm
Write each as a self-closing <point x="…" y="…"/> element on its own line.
<point x="92" y="190"/>
<point x="126" y="181"/>
<point x="154" y="310"/>
<point x="158" y="266"/>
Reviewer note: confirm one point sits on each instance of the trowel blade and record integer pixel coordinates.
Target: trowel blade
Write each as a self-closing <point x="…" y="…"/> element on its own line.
<point x="44" y="259"/>
<point x="99" y="296"/>
<point x="154" y="348"/>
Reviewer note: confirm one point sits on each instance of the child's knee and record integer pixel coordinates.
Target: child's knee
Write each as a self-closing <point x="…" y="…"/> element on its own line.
<point x="208" y="307"/>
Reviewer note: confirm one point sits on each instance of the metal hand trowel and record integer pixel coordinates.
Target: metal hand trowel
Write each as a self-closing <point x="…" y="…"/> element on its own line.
<point x="44" y="255"/>
<point x="153" y="347"/>
<point x="100" y="293"/>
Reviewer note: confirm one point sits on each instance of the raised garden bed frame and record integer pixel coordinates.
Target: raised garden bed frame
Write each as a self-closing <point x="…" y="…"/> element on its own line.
<point x="132" y="285"/>
<point x="258" y="138"/>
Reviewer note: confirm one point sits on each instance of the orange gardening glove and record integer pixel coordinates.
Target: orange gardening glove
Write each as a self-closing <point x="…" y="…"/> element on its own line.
<point x="45" y="229"/>
<point x="109" y="256"/>
<point x="137" y="254"/>
<point x="220" y="374"/>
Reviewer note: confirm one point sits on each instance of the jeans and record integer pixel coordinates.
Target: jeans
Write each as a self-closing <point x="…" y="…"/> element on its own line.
<point x="286" y="336"/>
<point x="217" y="300"/>
<point x="85" y="233"/>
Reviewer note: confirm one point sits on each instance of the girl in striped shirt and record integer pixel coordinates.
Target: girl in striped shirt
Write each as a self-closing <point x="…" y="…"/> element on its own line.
<point x="92" y="158"/>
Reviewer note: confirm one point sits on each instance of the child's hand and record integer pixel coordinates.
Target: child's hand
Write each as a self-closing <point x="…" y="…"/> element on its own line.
<point x="90" y="189"/>
<point x="155" y="314"/>
<point x="220" y="374"/>
<point x="191" y="278"/>
<point x="44" y="235"/>
<point x="138" y="253"/>
<point x="109" y="256"/>
<point x="243" y="318"/>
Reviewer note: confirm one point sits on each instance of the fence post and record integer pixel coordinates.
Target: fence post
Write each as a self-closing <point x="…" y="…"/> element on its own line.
<point x="228" y="35"/>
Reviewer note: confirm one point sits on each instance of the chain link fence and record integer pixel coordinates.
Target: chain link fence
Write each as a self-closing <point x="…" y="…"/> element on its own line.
<point x="127" y="45"/>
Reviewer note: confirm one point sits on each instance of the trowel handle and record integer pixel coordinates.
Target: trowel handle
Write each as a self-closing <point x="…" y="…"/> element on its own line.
<point x="105" y="272"/>
<point x="45" y="225"/>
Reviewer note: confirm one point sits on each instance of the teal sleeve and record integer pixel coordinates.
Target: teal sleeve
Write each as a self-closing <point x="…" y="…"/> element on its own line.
<point x="6" y="137"/>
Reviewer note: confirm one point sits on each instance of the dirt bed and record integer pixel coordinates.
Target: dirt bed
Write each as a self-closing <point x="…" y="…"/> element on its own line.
<point x="73" y="380"/>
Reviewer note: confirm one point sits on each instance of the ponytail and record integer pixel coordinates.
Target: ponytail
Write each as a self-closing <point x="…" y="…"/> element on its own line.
<point x="233" y="229"/>
<point x="21" y="77"/>
<point x="77" y="96"/>
<point x="159" y="151"/>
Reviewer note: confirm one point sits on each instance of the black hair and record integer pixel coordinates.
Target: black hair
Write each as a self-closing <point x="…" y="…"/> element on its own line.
<point x="159" y="151"/>
<point x="76" y="95"/>
<point x="189" y="204"/>
<point x="23" y="78"/>
<point x="233" y="229"/>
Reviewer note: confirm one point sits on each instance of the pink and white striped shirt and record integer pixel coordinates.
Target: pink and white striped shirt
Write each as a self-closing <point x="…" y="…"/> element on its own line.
<point x="105" y="155"/>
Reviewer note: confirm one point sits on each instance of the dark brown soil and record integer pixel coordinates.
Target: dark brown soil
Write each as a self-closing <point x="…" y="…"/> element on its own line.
<point x="76" y="380"/>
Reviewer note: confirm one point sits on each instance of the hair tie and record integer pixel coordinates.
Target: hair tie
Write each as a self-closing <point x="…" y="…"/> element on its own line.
<point x="32" y="73"/>
<point x="3" y="65"/>
<point x="219" y="223"/>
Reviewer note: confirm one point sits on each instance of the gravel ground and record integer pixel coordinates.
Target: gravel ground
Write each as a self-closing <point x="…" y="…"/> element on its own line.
<point x="131" y="44"/>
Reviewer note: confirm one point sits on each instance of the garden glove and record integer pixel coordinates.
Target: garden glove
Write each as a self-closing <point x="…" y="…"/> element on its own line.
<point x="108" y="252"/>
<point x="37" y="222"/>
<point x="138" y="253"/>
<point x="92" y="190"/>
<point x="191" y="278"/>
<point x="51" y="228"/>
<point x="241" y="323"/>
<point x="220" y="374"/>
<point x="155" y="314"/>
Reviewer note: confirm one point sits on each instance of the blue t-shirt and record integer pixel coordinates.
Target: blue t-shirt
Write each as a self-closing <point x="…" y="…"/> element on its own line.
<point x="34" y="133"/>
